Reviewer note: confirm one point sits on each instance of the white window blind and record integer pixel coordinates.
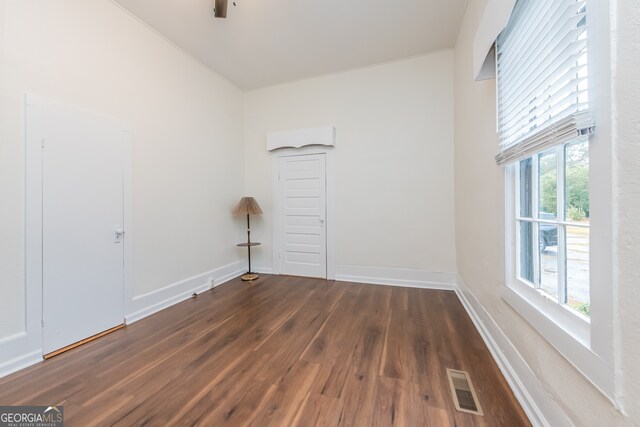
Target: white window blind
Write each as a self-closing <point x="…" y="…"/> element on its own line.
<point x="543" y="87"/>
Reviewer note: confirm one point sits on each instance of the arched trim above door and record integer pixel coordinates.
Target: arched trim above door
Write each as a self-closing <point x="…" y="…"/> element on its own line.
<point x="298" y="138"/>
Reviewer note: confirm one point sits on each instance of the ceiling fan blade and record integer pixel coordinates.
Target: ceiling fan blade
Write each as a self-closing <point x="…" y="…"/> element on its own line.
<point x="220" y="8"/>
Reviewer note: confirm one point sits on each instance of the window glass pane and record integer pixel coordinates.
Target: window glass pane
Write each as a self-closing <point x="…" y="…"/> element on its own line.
<point x="548" y="235"/>
<point x="526" y="187"/>
<point x="578" y="269"/>
<point x="577" y="182"/>
<point x="526" y="251"/>
<point x="548" y="171"/>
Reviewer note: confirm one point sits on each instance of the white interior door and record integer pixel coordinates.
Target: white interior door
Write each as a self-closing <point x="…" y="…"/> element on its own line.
<point x="82" y="205"/>
<point x="302" y="201"/>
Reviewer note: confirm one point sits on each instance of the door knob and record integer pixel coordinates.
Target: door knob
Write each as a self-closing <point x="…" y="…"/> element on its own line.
<point x="119" y="232"/>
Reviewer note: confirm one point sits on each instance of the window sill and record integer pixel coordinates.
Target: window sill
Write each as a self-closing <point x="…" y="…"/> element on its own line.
<point x="567" y="332"/>
<point x="574" y="324"/>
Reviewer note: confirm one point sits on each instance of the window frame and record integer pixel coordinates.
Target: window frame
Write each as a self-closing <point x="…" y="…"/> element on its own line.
<point x="585" y="343"/>
<point x="596" y="361"/>
<point x="560" y="222"/>
<point x="574" y="323"/>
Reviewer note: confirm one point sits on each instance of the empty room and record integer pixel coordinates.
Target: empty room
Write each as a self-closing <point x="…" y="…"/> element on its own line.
<point x="319" y="213"/>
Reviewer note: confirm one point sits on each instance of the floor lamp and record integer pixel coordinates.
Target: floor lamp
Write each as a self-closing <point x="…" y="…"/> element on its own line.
<point x="248" y="206"/>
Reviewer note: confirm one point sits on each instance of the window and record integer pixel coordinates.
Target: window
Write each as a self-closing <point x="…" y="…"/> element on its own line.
<point x="559" y="251"/>
<point x="544" y="123"/>
<point x="552" y="219"/>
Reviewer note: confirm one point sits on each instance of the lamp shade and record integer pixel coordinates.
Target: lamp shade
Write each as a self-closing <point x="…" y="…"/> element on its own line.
<point x="247" y="206"/>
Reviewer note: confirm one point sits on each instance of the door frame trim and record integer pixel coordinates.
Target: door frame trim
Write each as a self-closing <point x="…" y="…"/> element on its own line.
<point x="34" y="136"/>
<point x="330" y="222"/>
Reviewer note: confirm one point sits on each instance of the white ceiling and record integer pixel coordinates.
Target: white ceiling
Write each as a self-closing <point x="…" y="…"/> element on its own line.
<point x="263" y="42"/>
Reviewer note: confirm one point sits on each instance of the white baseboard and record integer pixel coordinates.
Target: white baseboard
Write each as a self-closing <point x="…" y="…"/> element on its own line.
<point x="535" y="401"/>
<point x="396" y="277"/>
<point x="17" y="353"/>
<point x="152" y="302"/>
<point x="261" y="270"/>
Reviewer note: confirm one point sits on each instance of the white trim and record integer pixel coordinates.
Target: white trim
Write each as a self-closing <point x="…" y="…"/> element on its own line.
<point x="128" y="221"/>
<point x="494" y="19"/>
<point x="567" y="319"/>
<point x="561" y="229"/>
<point x="584" y="344"/>
<point x="535" y="401"/>
<point x="590" y="365"/>
<point x="403" y="277"/>
<point x="262" y="270"/>
<point x="21" y="362"/>
<point x="574" y="324"/>
<point x="488" y="68"/>
<point x="32" y="341"/>
<point x="330" y="223"/>
<point x="152" y="302"/>
<point x="18" y="353"/>
<point x="299" y="138"/>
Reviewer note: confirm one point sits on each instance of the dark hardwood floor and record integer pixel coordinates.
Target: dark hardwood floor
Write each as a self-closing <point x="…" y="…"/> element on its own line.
<point x="281" y="351"/>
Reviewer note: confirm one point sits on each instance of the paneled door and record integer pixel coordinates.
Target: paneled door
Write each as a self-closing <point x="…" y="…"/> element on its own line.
<point x="82" y="223"/>
<point x="302" y="215"/>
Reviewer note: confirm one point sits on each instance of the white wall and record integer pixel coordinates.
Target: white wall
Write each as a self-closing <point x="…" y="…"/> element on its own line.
<point x="395" y="173"/>
<point x="187" y="136"/>
<point x="562" y="393"/>
<point x="394" y="158"/>
<point x="626" y="96"/>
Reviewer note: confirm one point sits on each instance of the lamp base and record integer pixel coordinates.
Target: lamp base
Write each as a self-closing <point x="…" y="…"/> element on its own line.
<point x="249" y="277"/>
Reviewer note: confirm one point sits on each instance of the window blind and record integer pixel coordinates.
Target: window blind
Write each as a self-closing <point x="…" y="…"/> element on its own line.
<point x="543" y="87"/>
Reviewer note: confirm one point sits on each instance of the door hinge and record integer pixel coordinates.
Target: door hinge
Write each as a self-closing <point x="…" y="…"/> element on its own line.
<point x="42" y="322"/>
<point x="42" y="143"/>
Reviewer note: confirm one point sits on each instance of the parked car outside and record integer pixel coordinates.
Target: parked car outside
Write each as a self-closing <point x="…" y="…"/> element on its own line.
<point x="548" y="232"/>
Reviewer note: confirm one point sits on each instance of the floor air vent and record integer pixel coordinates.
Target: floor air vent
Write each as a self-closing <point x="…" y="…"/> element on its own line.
<point x="464" y="395"/>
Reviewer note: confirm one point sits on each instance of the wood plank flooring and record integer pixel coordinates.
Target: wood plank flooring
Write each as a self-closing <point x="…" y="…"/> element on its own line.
<point x="281" y="351"/>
